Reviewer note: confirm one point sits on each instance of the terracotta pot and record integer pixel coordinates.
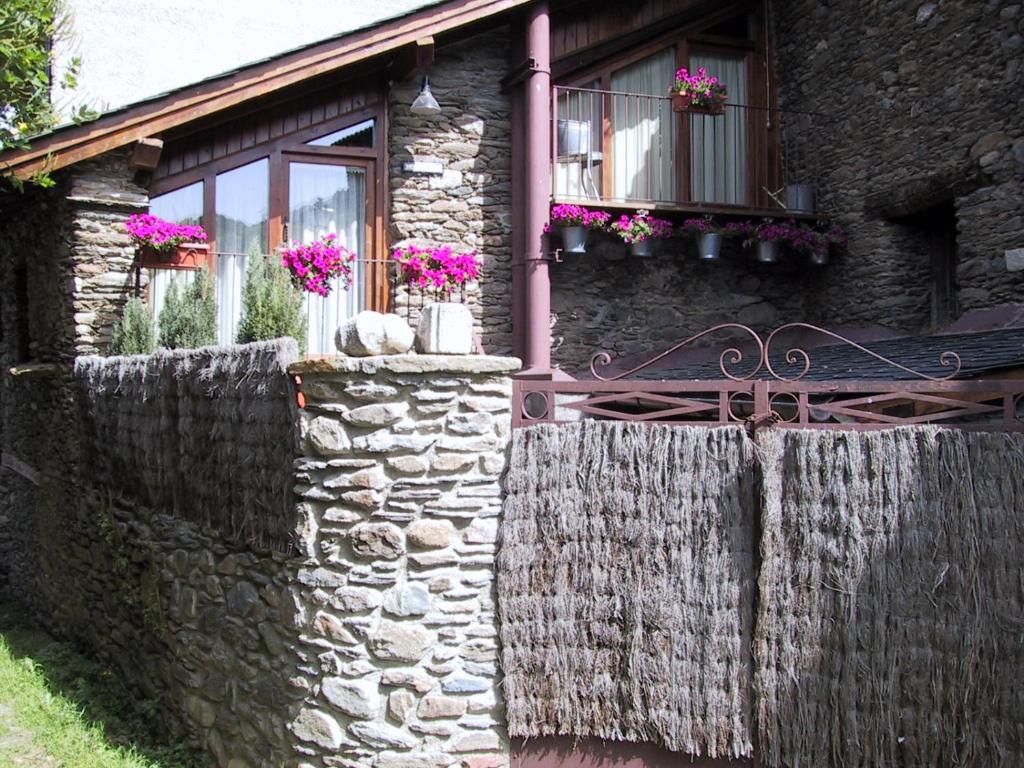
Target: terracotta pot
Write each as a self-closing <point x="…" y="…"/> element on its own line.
<point x="185" y="256"/>
<point x="681" y="103"/>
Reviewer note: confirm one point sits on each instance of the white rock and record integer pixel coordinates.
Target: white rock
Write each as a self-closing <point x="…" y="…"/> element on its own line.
<point x="383" y="735"/>
<point x="321" y="729"/>
<point x="371" y="333"/>
<point x="359" y="698"/>
<point x="407" y="600"/>
<point x="445" y="329"/>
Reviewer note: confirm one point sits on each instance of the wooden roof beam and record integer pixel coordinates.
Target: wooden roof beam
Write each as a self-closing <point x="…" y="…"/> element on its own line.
<point x="414" y="60"/>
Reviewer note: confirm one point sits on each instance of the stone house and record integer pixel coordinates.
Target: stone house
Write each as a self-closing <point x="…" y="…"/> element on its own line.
<point x="904" y="120"/>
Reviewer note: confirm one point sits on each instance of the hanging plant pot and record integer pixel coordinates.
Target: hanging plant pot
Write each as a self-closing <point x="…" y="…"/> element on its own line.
<point x="184" y="256"/>
<point x="709" y="246"/>
<point x="642" y="248"/>
<point x="819" y="259"/>
<point x="767" y="251"/>
<point x="682" y="103"/>
<point x="574" y="239"/>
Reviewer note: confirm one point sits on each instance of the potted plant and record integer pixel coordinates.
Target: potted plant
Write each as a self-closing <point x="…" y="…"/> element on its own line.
<point x="574" y="222"/>
<point x="640" y="230"/>
<point x="815" y="243"/>
<point x="167" y="244"/>
<point x="767" y="237"/>
<point x="444" y="327"/>
<point x="699" y="93"/>
<point x="315" y="266"/>
<point x="708" y="236"/>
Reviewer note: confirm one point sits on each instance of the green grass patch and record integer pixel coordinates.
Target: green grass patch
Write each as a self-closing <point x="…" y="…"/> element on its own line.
<point x="61" y="710"/>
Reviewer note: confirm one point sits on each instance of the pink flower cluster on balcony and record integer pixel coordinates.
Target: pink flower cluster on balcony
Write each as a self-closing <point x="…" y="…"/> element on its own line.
<point x="160" y="234"/>
<point x="439" y="269"/>
<point x="314" y="266"/>
<point x="701" y="89"/>
<point x="800" y="237"/>
<point x="640" y="226"/>
<point x="578" y="216"/>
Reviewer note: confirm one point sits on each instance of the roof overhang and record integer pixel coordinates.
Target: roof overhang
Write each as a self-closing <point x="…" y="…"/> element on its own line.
<point x="66" y="146"/>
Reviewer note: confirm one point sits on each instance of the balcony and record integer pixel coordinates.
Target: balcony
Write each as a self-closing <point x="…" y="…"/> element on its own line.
<point x="630" y="150"/>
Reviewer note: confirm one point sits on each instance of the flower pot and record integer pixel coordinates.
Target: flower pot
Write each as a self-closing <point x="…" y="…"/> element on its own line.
<point x="642" y="248"/>
<point x="185" y="256"/>
<point x="682" y="103"/>
<point x="819" y="259"/>
<point x="767" y="251"/>
<point x="574" y="239"/>
<point x="800" y="198"/>
<point x="709" y="246"/>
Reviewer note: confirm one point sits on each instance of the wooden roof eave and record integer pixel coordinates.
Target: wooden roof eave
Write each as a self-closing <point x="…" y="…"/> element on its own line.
<point x="74" y="144"/>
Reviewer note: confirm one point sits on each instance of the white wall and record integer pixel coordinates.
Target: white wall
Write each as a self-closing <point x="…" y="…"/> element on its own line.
<point x="132" y="49"/>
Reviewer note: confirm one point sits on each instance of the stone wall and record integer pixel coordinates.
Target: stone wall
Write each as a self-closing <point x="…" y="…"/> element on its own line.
<point x="399" y="503"/>
<point x="924" y="106"/>
<point x="606" y="300"/>
<point x="463" y="195"/>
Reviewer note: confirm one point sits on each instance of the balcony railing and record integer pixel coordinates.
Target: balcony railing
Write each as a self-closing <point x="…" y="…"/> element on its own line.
<point x="631" y="149"/>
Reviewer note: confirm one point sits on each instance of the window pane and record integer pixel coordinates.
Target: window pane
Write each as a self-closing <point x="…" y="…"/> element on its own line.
<point x="182" y="206"/>
<point x="645" y="131"/>
<point x="325" y="199"/>
<point x="580" y="158"/>
<point x="718" y="145"/>
<point x="362" y="134"/>
<point x="243" y="196"/>
<point x="162" y="279"/>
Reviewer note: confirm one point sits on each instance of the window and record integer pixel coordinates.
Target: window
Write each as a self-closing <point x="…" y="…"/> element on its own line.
<point x="298" y="188"/>
<point x="618" y="140"/>
<point x="183" y="206"/>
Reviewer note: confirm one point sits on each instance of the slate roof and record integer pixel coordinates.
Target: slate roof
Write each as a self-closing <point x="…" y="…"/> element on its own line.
<point x="982" y="354"/>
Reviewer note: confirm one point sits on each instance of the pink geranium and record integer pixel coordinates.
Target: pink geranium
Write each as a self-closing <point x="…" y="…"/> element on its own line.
<point x="315" y="266"/>
<point x="578" y="216"/>
<point x="640" y="226"/>
<point x="702" y="89"/>
<point x="162" y="235"/>
<point x="440" y="269"/>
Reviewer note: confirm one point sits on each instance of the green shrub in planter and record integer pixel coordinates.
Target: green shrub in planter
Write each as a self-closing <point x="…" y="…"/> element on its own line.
<point x="271" y="305"/>
<point x="190" y="320"/>
<point x="135" y="332"/>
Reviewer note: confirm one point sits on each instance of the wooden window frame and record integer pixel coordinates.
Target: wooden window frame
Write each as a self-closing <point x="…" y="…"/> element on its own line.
<point x="763" y="157"/>
<point x="277" y="152"/>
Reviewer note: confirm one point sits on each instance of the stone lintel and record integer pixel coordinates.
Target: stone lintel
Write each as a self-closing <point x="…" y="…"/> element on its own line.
<point x="406" y="364"/>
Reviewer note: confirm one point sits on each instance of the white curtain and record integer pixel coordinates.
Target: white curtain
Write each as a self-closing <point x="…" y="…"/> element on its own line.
<point x="160" y="280"/>
<point x="231" y="269"/>
<point x="718" y="145"/>
<point x="579" y="136"/>
<point x="325" y="199"/>
<point x="243" y="196"/>
<point x="644" y="138"/>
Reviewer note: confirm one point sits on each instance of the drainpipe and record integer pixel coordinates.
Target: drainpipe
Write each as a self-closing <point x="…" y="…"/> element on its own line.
<point x="537" y="194"/>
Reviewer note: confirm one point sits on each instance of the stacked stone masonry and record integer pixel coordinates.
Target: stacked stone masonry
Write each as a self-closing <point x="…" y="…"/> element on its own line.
<point x="465" y="200"/>
<point x="399" y="488"/>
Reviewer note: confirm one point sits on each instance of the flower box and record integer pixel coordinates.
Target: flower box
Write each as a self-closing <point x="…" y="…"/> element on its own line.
<point x="182" y="256"/>
<point x="681" y="103"/>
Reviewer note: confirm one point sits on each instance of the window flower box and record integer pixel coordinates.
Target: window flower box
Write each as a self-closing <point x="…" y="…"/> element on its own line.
<point x="681" y="103"/>
<point x="699" y="93"/>
<point x="181" y="256"/>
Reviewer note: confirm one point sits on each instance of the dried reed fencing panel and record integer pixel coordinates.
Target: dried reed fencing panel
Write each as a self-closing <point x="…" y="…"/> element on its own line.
<point x="207" y="435"/>
<point x="891" y="610"/>
<point x="625" y="582"/>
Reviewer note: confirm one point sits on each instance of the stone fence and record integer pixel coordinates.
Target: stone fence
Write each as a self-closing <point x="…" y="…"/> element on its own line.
<point x="293" y="588"/>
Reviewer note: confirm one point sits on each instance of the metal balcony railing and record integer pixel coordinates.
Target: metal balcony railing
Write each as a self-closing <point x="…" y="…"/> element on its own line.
<point x="631" y="148"/>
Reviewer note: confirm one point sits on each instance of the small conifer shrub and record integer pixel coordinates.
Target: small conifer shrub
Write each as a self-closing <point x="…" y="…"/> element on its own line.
<point x="271" y="305"/>
<point x="190" y="320"/>
<point x="135" y="332"/>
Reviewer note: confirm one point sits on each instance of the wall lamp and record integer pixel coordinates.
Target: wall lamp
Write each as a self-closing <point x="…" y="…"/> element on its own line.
<point x="425" y="103"/>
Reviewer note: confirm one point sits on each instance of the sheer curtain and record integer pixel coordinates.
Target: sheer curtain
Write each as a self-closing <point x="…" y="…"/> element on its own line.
<point x="580" y="129"/>
<point x="325" y="199"/>
<point x="718" y="145"/>
<point x="243" y="196"/>
<point x="645" y="133"/>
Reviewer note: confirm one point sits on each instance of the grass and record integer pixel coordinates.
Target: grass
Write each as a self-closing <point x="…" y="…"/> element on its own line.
<point x="61" y="710"/>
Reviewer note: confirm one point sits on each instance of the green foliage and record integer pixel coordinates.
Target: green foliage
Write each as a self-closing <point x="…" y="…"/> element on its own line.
<point x="27" y="30"/>
<point x="135" y="334"/>
<point x="271" y="305"/>
<point x="60" y="709"/>
<point x="190" y="320"/>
